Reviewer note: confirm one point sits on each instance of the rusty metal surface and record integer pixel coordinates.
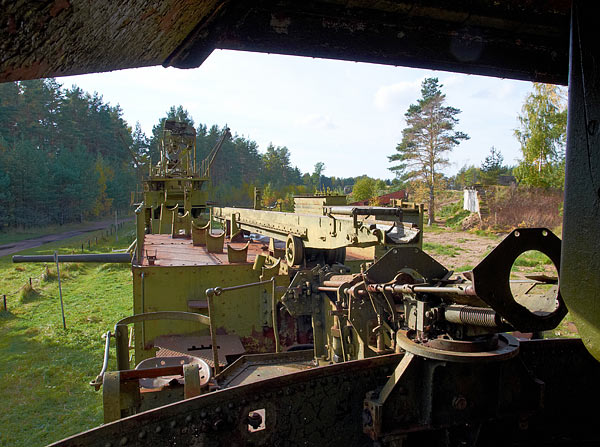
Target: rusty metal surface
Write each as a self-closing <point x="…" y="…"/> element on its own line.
<point x="537" y="398"/>
<point x="256" y="367"/>
<point x="178" y="252"/>
<point x="508" y="347"/>
<point x="199" y="346"/>
<point x="314" y="407"/>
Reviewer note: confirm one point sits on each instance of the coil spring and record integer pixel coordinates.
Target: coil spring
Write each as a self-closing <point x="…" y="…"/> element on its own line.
<point x="474" y="316"/>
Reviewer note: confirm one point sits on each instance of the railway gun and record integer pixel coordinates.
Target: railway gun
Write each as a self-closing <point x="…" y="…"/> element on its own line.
<point x="402" y="352"/>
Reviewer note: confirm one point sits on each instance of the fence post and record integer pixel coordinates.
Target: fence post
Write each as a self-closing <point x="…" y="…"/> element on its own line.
<point x="62" y="309"/>
<point x="5" y="309"/>
<point x="30" y="281"/>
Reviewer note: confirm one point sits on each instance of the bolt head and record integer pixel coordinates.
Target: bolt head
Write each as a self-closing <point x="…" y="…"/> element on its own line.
<point x="459" y="403"/>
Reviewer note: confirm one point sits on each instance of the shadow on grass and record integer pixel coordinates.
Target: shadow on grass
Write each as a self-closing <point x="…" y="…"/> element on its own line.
<point x="7" y="315"/>
<point x="46" y="395"/>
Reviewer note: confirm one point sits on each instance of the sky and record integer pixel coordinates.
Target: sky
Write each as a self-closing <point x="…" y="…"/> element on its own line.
<point x="347" y="115"/>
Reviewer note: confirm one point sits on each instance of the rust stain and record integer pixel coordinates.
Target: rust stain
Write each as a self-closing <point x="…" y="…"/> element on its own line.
<point x="58" y="6"/>
<point x="35" y="70"/>
<point x="148" y="13"/>
<point x="170" y="18"/>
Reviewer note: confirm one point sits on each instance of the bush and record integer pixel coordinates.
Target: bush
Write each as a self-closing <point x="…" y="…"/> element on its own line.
<point x="512" y="207"/>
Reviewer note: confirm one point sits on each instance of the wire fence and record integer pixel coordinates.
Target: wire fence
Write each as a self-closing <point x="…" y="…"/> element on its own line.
<point x="97" y="235"/>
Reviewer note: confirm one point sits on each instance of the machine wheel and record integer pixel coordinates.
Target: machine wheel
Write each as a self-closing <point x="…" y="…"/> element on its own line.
<point x="294" y="250"/>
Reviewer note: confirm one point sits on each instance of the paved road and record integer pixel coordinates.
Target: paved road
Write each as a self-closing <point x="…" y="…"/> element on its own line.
<point x="15" y="247"/>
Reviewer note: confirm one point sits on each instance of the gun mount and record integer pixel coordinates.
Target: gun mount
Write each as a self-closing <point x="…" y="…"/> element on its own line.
<point x="403" y="353"/>
<point x="318" y="228"/>
<point x="177" y="185"/>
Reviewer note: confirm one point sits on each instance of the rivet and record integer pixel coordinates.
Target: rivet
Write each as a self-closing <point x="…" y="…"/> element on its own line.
<point x="280" y="392"/>
<point x="459" y="402"/>
<point x="173" y="423"/>
<point x="142" y="434"/>
<point x="158" y="429"/>
<point x="230" y="405"/>
<point x="203" y="414"/>
<point x="123" y="440"/>
<point x="188" y="418"/>
<point x="108" y="444"/>
<point x="219" y="424"/>
<point x="218" y="410"/>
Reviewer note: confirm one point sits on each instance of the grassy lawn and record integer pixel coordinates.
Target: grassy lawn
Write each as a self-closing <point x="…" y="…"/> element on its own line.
<point x="532" y="261"/>
<point x="440" y="249"/>
<point x="45" y="370"/>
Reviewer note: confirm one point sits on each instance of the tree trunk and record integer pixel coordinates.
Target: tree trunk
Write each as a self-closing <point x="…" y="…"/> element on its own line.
<point x="431" y="211"/>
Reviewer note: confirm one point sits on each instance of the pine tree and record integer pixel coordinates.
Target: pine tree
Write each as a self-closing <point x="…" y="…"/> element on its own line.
<point x="429" y="135"/>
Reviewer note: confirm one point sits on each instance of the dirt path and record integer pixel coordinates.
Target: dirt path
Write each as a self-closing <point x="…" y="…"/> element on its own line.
<point x="461" y="251"/>
<point x="15" y="247"/>
<point x="458" y="250"/>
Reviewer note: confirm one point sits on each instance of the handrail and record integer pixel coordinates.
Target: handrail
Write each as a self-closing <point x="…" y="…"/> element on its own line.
<point x="97" y="382"/>
<point x="148" y="316"/>
<point x="164" y="315"/>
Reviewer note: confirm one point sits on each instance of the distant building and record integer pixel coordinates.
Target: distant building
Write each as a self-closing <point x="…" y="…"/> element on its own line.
<point x="384" y="199"/>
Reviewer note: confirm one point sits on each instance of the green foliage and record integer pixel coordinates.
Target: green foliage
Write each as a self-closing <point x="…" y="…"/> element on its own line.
<point x="364" y="189"/>
<point x="428" y="136"/>
<point x="542" y="135"/>
<point x="464" y="268"/>
<point x="466" y="176"/>
<point x="532" y="258"/>
<point x="50" y="141"/>
<point x="492" y="167"/>
<point x="451" y="209"/>
<point x="455" y="220"/>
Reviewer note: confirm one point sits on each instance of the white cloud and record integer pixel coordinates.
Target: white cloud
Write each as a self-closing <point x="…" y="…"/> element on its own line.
<point x="316" y="121"/>
<point x="399" y="93"/>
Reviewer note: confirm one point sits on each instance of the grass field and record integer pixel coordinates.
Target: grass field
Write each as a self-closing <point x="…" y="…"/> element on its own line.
<point x="44" y="369"/>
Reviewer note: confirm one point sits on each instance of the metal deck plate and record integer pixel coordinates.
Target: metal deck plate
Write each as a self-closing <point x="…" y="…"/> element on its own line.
<point x="256" y="367"/>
